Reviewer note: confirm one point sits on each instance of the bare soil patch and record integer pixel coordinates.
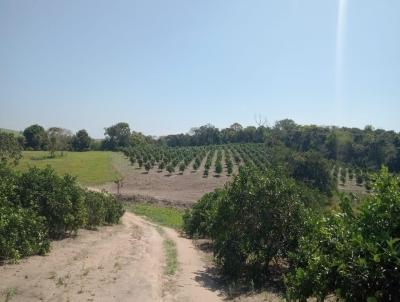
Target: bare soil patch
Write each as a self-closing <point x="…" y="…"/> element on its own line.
<point x="177" y="189"/>
<point x="118" y="263"/>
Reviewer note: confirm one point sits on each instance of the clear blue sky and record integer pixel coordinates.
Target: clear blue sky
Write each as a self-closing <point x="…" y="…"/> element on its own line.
<point x="166" y="66"/>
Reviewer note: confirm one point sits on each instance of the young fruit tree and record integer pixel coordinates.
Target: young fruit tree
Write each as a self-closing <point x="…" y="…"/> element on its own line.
<point x="170" y="169"/>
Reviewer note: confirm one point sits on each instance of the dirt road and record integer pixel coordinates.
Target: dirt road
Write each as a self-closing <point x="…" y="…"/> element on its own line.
<point x="119" y="263"/>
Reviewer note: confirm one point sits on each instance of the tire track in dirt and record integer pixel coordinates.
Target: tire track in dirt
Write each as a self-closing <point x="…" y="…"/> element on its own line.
<point x="118" y="263"/>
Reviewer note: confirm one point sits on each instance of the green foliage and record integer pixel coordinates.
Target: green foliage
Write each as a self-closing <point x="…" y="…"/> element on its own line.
<point x="170" y="169"/>
<point x="102" y="208"/>
<point x="312" y="169"/>
<point x="354" y="255"/>
<point x="81" y="141"/>
<point x="199" y="221"/>
<point x="147" y="166"/>
<point x="161" y="165"/>
<point x="182" y="167"/>
<point x="256" y="218"/>
<point x="22" y="233"/>
<point x="35" y="137"/>
<point x="10" y="149"/>
<point x="117" y="136"/>
<point x="218" y="167"/>
<point x="38" y="204"/>
<point x="58" y="199"/>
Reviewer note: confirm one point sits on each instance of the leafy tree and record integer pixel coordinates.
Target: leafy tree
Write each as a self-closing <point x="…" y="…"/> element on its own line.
<point x="59" y="139"/>
<point x="170" y="169"/>
<point x="35" y="137"/>
<point x="10" y="149"/>
<point x="22" y="233"/>
<point x="218" y="167"/>
<point x="312" y="169"/>
<point x="58" y="199"/>
<point x="230" y="169"/>
<point x="147" y="166"/>
<point x="161" y="165"/>
<point x="257" y="217"/>
<point x="81" y="141"/>
<point x="198" y="222"/>
<point x="182" y="167"/>
<point x="352" y="254"/>
<point x="117" y="136"/>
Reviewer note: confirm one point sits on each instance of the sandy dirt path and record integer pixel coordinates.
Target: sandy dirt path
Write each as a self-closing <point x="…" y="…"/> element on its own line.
<point x="118" y="263"/>
<point x="192" y="283"/>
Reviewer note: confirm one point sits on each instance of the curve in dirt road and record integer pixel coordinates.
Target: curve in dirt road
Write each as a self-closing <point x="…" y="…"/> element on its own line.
<point x="116" y="263"/>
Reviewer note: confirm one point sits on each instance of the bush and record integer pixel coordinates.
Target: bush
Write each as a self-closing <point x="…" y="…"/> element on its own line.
<point x="254" y="219"/>
<point x="354" y="255"/>
<point x="38" y="204"/>
<point x="22" y="233"/>
<point x="218" y="167"/>
<point x="198" y="222"/>
<point x="58" y="199"/>
<point x="114" y="209"/>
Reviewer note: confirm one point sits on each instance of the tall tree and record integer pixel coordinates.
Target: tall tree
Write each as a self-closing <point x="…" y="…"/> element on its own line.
<point x="35" y="137"/>
<point x="59" y="139"/>
<point x="117" y="135"/>
<point x="81" y="141"/>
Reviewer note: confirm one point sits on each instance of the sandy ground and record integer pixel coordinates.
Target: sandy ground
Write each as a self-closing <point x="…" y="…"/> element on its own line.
<point x="119" y="263"/>
<point x="179" y="189"/>
<point x="193" y="282"/>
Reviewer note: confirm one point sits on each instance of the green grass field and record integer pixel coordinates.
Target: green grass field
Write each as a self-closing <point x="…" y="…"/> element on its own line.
<point x="90" y="168"/>
<point x="169" y="217"/>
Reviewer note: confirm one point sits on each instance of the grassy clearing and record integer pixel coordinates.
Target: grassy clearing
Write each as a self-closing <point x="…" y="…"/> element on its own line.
<point x="171" y="260"/>
<point x="169" y="217"/>
<point x="90" y="168"/>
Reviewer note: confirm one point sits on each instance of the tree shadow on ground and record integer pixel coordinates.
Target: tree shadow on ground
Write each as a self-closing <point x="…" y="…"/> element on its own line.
<point x="212" y="279"/>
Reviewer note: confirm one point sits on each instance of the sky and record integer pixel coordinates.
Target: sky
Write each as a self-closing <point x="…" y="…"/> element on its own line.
<point x="167" y="66"/>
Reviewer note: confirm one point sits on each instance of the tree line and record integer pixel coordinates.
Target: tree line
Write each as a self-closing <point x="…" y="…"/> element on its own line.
<point x="366" y="148"/>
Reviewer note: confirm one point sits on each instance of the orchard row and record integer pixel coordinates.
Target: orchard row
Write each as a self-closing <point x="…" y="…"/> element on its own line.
<point x="214" y="158"/>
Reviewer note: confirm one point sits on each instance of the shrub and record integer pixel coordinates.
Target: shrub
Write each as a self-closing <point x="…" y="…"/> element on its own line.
<point x="182" y="167"/>
<point x="170" y="169"/>
<point x="218" y="167"/>
<point x="38" y="204"/>
<point x="96" y="210"/>
<point x="354" y="255"/>
<point x="114" y="209"/>
<point x="58" y="199"/>
<point x="22" y="233"/>
<point x="256" y="218"/>
<point x="199" y="221"/>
